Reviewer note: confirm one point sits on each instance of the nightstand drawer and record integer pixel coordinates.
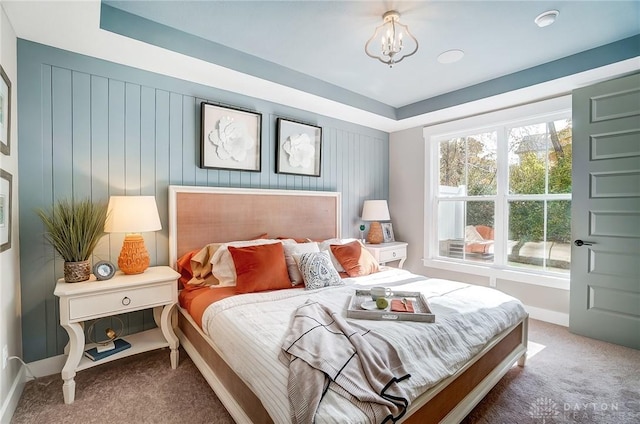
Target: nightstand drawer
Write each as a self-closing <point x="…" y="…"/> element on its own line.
<point x="96" y="305"/>
<point x="393" y="254"/>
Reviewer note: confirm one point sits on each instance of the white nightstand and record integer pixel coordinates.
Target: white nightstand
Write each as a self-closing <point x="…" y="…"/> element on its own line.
<point x="155" y="288"/>
<point x="388" y="252"/>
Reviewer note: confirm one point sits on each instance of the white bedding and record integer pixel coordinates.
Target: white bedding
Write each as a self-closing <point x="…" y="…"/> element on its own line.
<point x="249" y="331"/>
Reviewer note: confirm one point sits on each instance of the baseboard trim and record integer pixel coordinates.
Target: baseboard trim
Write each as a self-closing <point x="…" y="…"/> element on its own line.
<point x="13" y="397"/>
<point x="554" y="317"/>
<point x="47" y="366"/>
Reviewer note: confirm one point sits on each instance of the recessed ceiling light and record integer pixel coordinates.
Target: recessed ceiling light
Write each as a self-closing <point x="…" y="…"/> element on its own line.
<point x="450" y="56"/>
<point x="546" y="18"/>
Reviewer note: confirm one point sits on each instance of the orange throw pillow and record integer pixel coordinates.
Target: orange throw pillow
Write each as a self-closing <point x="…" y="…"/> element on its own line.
<point x="355" y="259"/>
<point x="260" y="267"/>
<point x="184" y="267"/>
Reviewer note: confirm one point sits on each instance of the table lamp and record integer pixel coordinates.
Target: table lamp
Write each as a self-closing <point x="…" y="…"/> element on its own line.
<point x="375" y="211"/>
<point x="132" y="215"/>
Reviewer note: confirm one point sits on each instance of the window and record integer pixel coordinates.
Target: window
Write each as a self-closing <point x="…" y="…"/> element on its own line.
<point x="501" y="191"/>
<point x="539" y="197"/>
<point x="467" y="195"/>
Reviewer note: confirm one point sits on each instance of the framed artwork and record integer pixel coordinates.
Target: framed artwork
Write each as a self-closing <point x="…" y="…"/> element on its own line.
<point x="231" y="138"/>
<point x="298" y="149"/>
<point x="6" y="191"/>
<point x="387" y="232"/>
<point x="5" y="113"/>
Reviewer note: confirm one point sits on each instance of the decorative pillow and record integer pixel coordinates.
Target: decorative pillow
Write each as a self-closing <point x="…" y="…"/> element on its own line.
<point x="183" y="265"/>
<point x="355" y="259"/>
<point x="326" y="245"/>
<point x="485" y="232"/>
<point x="222" y="265"/>
<point x="292" y="267"/>
<point x="260" y="268"/>
<point x="471" y="234"/>
<point x="317" y="270"/>
<point x="201" y="266"/>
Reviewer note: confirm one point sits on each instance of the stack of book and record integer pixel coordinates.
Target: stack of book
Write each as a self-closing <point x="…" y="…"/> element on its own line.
<point x="94" y="355"/>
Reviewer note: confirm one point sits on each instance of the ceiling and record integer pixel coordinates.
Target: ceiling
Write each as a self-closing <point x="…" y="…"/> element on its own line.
<point x="317" y="47"/>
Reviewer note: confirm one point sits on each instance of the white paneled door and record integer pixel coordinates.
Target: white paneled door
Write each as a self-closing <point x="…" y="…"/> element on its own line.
<point x="605" y="216"/>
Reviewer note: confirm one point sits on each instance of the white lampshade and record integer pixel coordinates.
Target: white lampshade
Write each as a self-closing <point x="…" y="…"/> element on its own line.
<point x="132" y="214"/>
<point x="375" y="210"/>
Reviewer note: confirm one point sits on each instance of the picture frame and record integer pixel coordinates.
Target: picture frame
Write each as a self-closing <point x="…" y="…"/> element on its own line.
<point x="231" y="138"/>
<point x="298" y="148"/>
<point x="5" y="113"/>
<point x="6" y="196"/>
<point x="387" y="232"/>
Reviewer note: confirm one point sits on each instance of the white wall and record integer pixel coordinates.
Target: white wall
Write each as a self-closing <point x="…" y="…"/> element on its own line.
<point x="406" y="193"/>
<point x="11" y="381"/>
<point x="407" y="170"/>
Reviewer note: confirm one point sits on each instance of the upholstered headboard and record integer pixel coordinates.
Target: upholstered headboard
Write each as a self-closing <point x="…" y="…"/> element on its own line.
<point x="202" y="215"/>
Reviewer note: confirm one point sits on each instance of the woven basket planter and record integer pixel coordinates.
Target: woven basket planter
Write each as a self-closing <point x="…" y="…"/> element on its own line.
<point x="75" y="272"/>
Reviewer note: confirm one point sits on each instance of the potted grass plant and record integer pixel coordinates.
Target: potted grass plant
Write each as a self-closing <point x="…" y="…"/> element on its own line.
<point x="74" y="228"/>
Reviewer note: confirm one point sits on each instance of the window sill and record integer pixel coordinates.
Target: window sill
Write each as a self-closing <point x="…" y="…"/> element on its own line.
<point x="536" y="279"/>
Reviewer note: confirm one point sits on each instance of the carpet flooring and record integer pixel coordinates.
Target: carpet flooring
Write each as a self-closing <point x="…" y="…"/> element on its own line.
<point x="568" y="379"/>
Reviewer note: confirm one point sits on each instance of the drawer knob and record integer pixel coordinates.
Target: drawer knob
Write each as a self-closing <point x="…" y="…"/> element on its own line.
<point x="394" y="254"/>
<point x="126" y="301"/>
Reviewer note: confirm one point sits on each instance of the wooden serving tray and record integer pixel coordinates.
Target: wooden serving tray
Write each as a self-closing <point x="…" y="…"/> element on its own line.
<point x="422" y="312"/>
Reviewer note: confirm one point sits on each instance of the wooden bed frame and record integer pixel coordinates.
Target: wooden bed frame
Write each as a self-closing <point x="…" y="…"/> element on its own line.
<point x="202" y="215"/>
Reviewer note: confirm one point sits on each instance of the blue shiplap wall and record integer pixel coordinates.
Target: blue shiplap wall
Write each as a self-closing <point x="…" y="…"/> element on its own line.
<point x="91" y="128"/>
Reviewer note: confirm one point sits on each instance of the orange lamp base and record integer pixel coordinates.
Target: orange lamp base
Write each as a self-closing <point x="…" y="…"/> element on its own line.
<point x="134" y="258"/>
<point x="375" y="235"/>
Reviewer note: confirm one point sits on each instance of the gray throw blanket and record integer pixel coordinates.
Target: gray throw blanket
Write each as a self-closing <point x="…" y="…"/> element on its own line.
<point x="325" y="352"/>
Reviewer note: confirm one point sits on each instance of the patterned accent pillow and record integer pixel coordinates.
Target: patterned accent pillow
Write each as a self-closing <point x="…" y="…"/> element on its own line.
<point x="317" y="270"/>
<point x="292" y="267"/>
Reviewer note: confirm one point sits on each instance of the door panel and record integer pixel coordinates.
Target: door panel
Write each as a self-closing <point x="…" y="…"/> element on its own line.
<point x="623" y="144"/>
<point x="605" y="270"/>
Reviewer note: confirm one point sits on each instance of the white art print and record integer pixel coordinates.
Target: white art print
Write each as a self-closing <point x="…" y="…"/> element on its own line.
<point x="299" y="148"/>
<point x="231" y="138"/>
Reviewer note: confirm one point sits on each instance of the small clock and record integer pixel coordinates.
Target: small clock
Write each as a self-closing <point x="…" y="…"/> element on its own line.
<point x="104" y="270"/>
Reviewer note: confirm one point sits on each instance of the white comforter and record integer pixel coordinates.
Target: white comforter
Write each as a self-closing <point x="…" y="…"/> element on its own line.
<point x="249" y="330"/>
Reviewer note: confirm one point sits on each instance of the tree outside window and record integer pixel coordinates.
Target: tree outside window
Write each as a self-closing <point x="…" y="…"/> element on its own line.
<point x="536" y="195"/>
<point x="540" y="164"/>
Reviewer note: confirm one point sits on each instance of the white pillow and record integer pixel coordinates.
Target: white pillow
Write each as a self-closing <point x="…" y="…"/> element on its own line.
<point x="317" y="270"/>
<point x="471" y="234"/>
<point x="292" y="267"/>
<point x="222" y="266"/>
<point x="326" y="246"/>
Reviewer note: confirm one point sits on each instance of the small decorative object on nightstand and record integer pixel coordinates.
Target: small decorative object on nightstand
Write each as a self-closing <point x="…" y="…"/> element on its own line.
<point x="132" y="215"/>
<point x="389" y="252"/>
<point x="79" y="302"/>
<point x="74" y="228"/>
<point x="103" y="270"/>
<point x="375" y="210"/>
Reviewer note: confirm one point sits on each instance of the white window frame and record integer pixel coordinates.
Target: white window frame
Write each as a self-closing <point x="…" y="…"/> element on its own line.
<point x="544" y="111"/>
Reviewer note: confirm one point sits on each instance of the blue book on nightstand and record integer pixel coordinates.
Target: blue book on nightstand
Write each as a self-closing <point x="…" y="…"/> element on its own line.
<point x="94" y="355"/>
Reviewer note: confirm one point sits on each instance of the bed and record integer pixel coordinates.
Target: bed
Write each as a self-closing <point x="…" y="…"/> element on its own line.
<point x="202" y="215"/>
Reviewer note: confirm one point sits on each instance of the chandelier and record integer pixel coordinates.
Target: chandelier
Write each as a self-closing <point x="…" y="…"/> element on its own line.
<point x="391" y="34"/>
